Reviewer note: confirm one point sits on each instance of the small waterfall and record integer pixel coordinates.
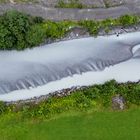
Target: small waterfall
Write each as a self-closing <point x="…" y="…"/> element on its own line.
<point x="136" y="51"/>
<point x="39" y="66"/>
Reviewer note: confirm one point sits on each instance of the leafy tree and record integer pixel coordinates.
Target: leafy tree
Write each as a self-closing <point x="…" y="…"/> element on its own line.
<point x="13" y="28"/>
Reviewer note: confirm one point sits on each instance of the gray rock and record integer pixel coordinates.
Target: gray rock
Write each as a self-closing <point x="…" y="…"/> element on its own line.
<point x="112" y="3"/>
<point x="76" y="32"/>
<point x="118" y="102"/>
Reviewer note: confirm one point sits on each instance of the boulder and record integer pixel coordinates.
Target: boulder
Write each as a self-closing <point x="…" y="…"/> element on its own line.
<point x="77" y="32"/>
<point x="118" y="102"/>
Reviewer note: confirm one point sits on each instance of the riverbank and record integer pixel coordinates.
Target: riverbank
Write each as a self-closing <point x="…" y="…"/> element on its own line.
<point x="96" y="98"/>
<point x="112" y="31"/>
<point x="35" y="31"/>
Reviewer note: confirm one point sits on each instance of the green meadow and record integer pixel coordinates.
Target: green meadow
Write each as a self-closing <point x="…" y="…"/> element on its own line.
<point x="88" y="125"/>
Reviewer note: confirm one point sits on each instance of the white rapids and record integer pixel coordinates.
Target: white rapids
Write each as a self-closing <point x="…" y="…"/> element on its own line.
<point x="78" y="62"/>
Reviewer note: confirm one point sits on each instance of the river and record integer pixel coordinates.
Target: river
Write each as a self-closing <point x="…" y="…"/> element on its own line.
<point x="78" y="62"/>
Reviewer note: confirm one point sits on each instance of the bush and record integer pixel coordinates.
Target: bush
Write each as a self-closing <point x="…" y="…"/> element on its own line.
<point x="54" y="30"/>
<point x="3" y="107"/>
<point x="92" y="26"/>
<point x="131" y="92"/>
<point x="36" y="35"/>
<point x="15" y="28"/>
<point x="127" y="20"/>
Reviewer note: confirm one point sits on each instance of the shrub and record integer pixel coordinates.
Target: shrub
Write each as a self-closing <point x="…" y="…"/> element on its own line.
<point x="81" y="101"/>
<point x="36" y="35"/>
<point x="54" y="30"/>
<point x="3" y="107"/>
<point x="92" y="26"/>
<point x="127" y="20"/>
<point x="15" y="26"/>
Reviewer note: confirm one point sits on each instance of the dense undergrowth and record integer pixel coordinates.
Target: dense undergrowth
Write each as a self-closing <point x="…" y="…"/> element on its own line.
<point x="19" y="30"/>
<point x="94" y="97"/>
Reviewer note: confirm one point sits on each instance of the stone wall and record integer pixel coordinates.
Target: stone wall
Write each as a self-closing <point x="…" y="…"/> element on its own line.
<point x="53" y="3"/>
<point x="73" y="14"/>
<point x="94" y="3"/>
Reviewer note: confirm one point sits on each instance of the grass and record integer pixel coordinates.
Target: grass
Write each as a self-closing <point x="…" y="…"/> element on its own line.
<point x="92" y="125"/>
<point x="86" y="114"/>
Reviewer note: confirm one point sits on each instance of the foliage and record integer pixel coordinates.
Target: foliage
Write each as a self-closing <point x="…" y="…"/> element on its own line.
<point x="70" y="4"/>
<point x="95" y="26"/>
<point x="20" y="31"/>
<point x="92" y="26"/>
<point x="54" y="30"/>
<point x="79" y="100"/>
<point x="127" y="20"/>
<point x="3" y="107"/>
<point x="36" y="35"/>
<point x="13" y="28"/>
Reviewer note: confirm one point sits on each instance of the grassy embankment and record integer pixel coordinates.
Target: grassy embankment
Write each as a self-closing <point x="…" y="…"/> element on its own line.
<point x="85" y="114"/>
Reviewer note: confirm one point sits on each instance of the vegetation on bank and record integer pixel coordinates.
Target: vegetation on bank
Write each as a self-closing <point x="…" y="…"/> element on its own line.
<point x="86" y="113"/>
<point x="19" y="31"/>
<point x="87" y="125"/>
<point x="94" y="97"/>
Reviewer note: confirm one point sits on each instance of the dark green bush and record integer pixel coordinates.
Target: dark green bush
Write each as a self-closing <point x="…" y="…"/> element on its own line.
<point x="3" y="107"/>
<point x="127" y="20"/>
<point x="13" y="28"/>
<point x="131" y="92"/>
<point x="36" y="35"/>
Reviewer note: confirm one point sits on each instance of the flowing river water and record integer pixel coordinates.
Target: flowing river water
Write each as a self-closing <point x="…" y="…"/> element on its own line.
<point x="78" y="62"/>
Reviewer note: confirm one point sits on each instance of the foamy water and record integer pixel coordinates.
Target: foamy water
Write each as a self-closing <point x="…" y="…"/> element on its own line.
<point x="57" y="66"/>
